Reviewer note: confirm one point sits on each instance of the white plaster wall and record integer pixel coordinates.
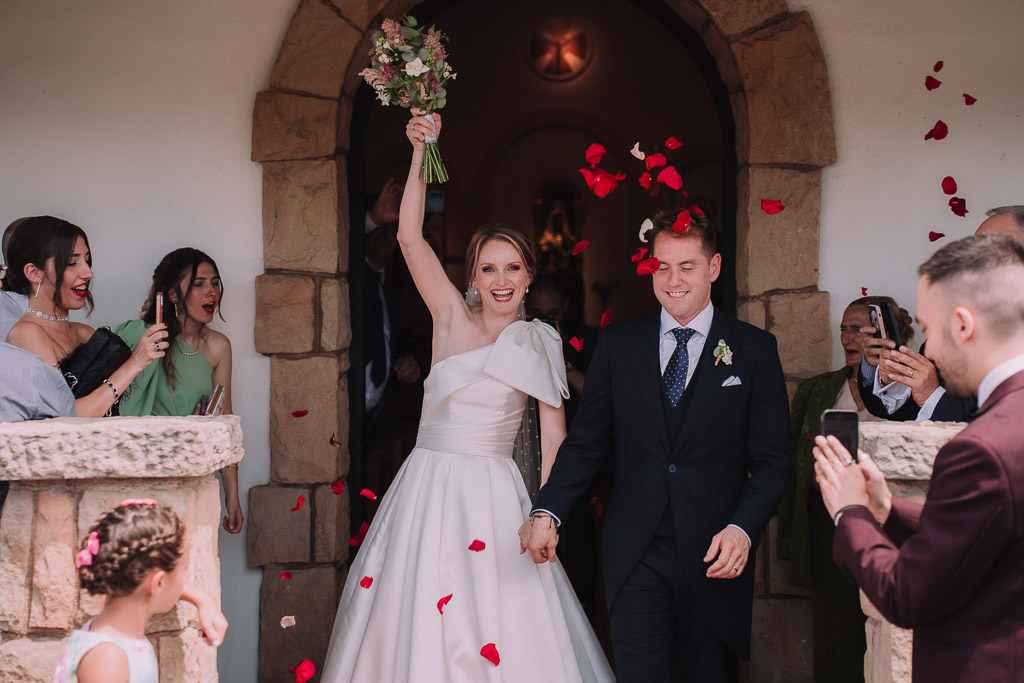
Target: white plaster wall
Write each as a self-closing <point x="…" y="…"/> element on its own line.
<point x="133" y="120"/>
<point x="883" y="196"/>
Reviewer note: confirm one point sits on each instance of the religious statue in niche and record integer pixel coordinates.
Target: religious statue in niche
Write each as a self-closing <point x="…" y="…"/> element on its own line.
<point x="555" y="217"/>
<point x="559" y="49"/>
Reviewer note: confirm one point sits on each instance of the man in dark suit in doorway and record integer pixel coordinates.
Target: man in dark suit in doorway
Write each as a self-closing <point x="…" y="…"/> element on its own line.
<point x="696" y="406"/>
<point x="953" y="568"/>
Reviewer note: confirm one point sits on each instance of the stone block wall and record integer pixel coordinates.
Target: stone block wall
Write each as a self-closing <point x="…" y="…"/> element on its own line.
<point x="64" y="474"/>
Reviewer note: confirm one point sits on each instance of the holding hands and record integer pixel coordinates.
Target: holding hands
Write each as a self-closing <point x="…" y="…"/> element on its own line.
<point x="539" y="535"/>
<point x="844" y="483"/>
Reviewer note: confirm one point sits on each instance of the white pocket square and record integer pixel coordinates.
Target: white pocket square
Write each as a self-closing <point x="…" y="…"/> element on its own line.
<point x="732" y="381"/>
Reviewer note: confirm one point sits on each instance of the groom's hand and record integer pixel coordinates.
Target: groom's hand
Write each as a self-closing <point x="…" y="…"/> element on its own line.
<point x="731" y="547"/>
<point x="539" y="536"/>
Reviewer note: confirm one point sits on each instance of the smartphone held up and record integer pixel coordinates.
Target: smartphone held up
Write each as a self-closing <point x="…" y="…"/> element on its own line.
<point x="844" y="425"/>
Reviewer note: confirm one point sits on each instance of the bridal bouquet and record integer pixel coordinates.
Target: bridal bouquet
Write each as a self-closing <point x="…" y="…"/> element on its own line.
<point x="408" y="67"/>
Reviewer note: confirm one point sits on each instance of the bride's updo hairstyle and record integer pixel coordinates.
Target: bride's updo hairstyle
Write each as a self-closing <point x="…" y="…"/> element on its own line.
<point x="499" y="231"/>
<point x="36" y="240"/>
<point x="126" y="544"/>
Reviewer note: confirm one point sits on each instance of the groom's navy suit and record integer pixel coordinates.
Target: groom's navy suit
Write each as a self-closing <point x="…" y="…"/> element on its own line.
<point x="724" y="456"/>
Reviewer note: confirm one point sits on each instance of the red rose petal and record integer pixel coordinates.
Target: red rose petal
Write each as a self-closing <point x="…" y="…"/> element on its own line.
<point x="772" y="206"/>
<point x="598" y="505"/>
<point x="443" y="601"/>
<point x="958" y="206"/>
<point x="366" y="581"/>
<point x="477" y="546"/>
<point x="672" y="143"/>
<point x="606" y="318"/>
<point x="580" y="246"/>
<point x="648" y="266"/>
<point x="298" y="503"/>
<point x="594" y="154"/>
<point x="968" y="100"/>
<point x="682" y="222"/>
<point x="938" y="132"/>
<point x="334" y="442"/>
<point x="358" y="538"/>
<point x="303" y="671"/>
<point x="655" y="160"/>
<point x="645" y="180"/>
<point x="670" y="176"/>
<point x="932" y="83"/>
<point x="695" y="210"/>
<point x="949" y="185"/>
<point x="640" y="253"/>
<point x="808" y="438"/>
<point x="490" y="653"/>
<point x="938" y="66"/>
<point x="576" y="343"/>
<point x="367" y="493"/>
<point x="932" y="236"/>
<point x="286" y="575"/>
<point x="338" y="486"/>
<point x="600" y="181"/>
<point x="300" y="413"/>
<point x="863" y="291"/>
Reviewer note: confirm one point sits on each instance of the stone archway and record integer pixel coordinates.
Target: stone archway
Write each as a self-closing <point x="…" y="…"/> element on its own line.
<point x="772" y="64"/>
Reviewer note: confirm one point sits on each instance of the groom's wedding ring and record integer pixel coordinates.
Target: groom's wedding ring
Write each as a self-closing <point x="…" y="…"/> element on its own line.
<point x="847" y="460"/>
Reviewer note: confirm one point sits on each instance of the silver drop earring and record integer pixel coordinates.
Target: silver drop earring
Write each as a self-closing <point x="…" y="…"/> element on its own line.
<point x="473" y="297"/>
<point x="38" y="285"/>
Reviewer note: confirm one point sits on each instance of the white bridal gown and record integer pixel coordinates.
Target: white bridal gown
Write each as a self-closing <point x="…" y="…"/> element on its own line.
<point x="458" y="487"/>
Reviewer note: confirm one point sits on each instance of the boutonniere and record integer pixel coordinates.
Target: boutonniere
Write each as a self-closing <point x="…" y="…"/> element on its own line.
<point x="723" y="353"/>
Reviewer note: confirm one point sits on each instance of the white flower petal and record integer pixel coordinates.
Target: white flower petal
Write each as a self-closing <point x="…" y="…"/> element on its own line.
<point x="648" y="224"/>
<point x="637" y="153"/>
<point x="416" y="67"/>
<point x="287" y="621"/>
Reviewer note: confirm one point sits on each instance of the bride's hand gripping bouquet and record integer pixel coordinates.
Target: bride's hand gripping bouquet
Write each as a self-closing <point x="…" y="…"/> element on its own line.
<point x="409" y="68"/>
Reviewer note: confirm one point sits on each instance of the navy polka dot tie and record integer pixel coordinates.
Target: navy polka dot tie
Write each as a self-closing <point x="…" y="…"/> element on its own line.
<point x="673" y="382"/>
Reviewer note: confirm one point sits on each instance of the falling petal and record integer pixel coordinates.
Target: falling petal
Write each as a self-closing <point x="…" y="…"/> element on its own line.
<point x="938" y="132"/>
<point x="367" y="493"/>
<point x="600" y="181"/>
<point x="304" y="671"/>
<point x="682" y="222"/>
<point x="298" y="503"/>
<point x="932" y="83"/>
<point x="670" y="176"/>
<point x="287" y="621"/>
<point x="648" y="266"/>
<point x="863" y="291"/>
<point x="576" y="343"/>
<point x="598" y="505"/>
<point x="640" y="253"/>
<point x="695" y="210"/>
<point x="286" y="575"/>
<point x="636" y="152"/>
<point x="968" y="100"/>
<point x="580" y="246"/>
<point x="358" y="538"/>
<point x="477" y="546"/>
<point x="949" y="185"/>
<point x="334" y="442"/>
<point x="772" y="206"/>
<point x="442" y="602"/>
<point x="366" y="581"/>
<point x="648" y="224"/>
<point x="672" y="143"/>
<point x="958" y="206"/>
<point x="933" y="236"/>
<point x="938" y="66"/>
<point x="490" y="653"/>
<point x="338" y="486"/>
<point x="645" y="180"/>
<point x="594" y="154"/>
<point x="656" y="160"/>
<point x="606" y="317"/>
<point x="300" y="413"/>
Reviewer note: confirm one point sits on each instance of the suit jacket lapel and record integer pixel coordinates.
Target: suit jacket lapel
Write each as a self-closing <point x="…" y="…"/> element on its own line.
<point x="707" y="379"/>
<point x="645" y="356"/>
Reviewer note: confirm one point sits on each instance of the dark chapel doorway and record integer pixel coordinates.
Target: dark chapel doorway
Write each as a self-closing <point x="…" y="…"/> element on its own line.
<point x="537" y="84"/>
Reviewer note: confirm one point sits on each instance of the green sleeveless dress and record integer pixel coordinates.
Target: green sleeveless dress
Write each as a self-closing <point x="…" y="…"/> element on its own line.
<point x="150" y="393"/>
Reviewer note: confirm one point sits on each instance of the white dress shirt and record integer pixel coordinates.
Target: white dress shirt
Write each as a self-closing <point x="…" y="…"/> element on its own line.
<point x="701" y="326"/>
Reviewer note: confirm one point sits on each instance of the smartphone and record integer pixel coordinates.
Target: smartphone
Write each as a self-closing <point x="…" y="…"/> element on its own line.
<point x="891" y="326"/>
<point x="877" y="321"/>
<point x="842" y="424"/>
<point x="159" y="307"/>
<point x="216" y="399"/>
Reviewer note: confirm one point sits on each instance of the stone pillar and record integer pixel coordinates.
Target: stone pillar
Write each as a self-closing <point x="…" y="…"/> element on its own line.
<point x="904" y="451"/>
<point x="64" y="474"/>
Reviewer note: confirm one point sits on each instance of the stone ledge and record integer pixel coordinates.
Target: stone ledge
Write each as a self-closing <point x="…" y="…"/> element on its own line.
<point x="906" y="450"/>
<point x="118" y="447"/>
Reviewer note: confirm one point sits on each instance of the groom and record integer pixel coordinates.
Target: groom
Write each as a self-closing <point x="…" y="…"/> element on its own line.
<point x="696" y="406"/>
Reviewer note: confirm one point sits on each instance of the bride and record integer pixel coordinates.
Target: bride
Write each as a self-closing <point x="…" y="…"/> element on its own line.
<point x="439" y="590"/>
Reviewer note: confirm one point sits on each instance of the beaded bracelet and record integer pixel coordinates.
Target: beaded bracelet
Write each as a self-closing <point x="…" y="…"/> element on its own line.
<point x="117" y="396"/>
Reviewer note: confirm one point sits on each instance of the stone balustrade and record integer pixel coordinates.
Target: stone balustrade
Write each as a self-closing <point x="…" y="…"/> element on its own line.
<point x="64" y="474"/>
<point x="904" y="451"/>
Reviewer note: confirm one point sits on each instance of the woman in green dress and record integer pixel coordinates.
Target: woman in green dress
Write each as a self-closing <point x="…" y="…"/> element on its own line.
<point x="805" y="528"/>
<point x="198" y="357"/>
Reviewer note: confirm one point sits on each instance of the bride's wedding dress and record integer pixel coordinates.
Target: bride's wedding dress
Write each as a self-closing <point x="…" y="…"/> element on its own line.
<point x="448" y="527"/>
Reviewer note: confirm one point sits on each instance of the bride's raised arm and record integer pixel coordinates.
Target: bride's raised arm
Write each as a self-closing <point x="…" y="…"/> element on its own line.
<point x="433" y="284"/>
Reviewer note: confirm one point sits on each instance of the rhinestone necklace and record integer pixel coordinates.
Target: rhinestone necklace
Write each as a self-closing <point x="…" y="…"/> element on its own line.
<point x="46" y="316"/>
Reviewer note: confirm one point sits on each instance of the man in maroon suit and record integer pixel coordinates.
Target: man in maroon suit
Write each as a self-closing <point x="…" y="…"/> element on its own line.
<point x="953" y="568"/>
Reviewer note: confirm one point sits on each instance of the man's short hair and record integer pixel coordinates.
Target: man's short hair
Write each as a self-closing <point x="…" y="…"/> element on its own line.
<point x="700" y="227"/>
<point x="1016" y="210"/>
<point x="978" y="271"/>
<point x="8" y="234"/>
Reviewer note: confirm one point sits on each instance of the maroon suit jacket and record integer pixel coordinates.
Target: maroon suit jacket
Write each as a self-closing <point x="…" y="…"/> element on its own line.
<point x="953" y="569"/>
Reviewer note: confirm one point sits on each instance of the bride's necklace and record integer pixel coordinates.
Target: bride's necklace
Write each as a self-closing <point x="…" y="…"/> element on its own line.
<point x="47" y="316"/>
